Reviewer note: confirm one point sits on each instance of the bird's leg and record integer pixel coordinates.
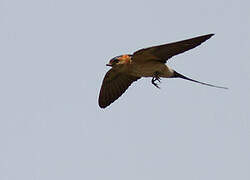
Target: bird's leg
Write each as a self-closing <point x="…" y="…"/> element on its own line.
<point x="156" y="77"/>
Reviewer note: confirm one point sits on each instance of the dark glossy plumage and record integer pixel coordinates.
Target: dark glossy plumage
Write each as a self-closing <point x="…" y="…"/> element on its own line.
<point x="166" y="51"/>
<point x="113" y="86"/>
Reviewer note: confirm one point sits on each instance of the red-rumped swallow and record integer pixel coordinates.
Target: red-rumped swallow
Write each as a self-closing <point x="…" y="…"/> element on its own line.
<point x="148" y="62"/>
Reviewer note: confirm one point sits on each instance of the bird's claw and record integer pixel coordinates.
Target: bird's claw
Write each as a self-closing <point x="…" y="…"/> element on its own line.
<point x="156" y="78"/>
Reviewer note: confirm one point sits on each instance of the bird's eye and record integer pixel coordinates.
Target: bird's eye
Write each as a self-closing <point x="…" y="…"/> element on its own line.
<point x="114" y="61"/>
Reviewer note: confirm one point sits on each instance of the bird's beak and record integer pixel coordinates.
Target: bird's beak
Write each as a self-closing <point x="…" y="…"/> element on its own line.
<point x="108" y="65"/>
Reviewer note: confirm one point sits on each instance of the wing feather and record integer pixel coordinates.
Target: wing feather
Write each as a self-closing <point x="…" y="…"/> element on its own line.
<point x="113" y="86"/>
<point x="166" y="51"/>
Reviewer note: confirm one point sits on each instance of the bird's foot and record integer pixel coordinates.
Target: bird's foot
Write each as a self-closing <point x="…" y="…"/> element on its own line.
<point x="156" y="77"/>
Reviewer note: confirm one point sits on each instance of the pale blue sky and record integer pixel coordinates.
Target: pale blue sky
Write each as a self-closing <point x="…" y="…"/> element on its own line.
<point x="52" y="62"/>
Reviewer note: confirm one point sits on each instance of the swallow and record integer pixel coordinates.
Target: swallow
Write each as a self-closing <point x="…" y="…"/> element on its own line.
<point x="147" y="62"/>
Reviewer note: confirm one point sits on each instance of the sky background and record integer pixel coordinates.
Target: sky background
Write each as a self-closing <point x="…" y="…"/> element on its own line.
<point x="52" y="62"/>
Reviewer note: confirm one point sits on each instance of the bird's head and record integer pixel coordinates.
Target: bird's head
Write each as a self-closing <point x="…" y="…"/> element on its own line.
<point x="118" y="60"/>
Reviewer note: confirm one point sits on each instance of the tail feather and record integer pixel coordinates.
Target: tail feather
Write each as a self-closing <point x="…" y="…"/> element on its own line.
<point x="178" y="75"/>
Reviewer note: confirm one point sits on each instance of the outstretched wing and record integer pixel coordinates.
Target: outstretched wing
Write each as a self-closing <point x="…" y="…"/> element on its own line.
<point x="166" y="51"/>
<point x="113" y="86"/>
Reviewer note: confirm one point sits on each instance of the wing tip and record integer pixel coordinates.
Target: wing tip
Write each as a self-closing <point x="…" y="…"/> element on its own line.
<point x="211" y="34"/>
<point x="103" y="105"/>
<point x="208" y="35"/>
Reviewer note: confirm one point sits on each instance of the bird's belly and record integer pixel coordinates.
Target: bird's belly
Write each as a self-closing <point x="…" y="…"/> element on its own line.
<point x="149" y="70"/>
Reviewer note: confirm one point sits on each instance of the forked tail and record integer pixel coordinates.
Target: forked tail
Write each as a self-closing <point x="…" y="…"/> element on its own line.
<point x="178" y="75"/>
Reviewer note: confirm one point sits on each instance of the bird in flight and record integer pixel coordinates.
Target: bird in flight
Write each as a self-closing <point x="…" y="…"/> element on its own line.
<point x="148" y="62"/>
